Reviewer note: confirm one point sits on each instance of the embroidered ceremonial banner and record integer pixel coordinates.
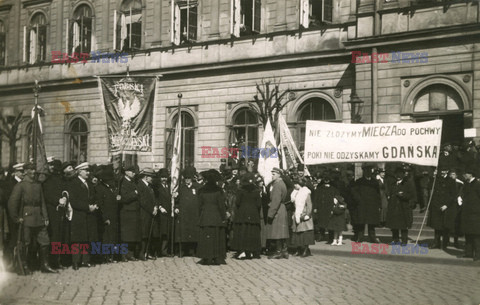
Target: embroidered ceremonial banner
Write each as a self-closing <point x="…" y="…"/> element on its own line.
<point x="416" y="143"/>
<point x="269" y="159"/>
<point x="129" y="111"/>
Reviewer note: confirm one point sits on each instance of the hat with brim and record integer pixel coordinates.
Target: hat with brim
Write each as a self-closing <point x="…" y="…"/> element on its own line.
<point x="277" y="170"/>
<point x="189" y="172"/>
<point x="82" y="166"/>
<point x="50" y="159"/>
<point x="105" y="172"/>
<point x="163" y="173"/>
<point x="66" y="164"/>
<point x="147" y="172"/>
<point x="130" y="168"/>
<point x="18" y="167"/>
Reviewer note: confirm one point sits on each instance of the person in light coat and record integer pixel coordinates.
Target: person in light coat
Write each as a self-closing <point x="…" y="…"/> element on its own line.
<point x="302" y="227"/>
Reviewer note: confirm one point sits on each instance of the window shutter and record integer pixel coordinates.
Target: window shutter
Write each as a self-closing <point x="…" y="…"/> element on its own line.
<point x="257" y="15"/>
<point x="114" y="29"/>
<point x="92" y="35"/>
<point x="24" y="44"/>
<point x="192" y="23"/>
<point x="66" y="35"/>
<point x="304" y="13"/>
<point x="176" y="25"/>
<point x="237" y="17"/>
<point x="42" y="42"/>
<point x="327" y="10"/>
<point x="32" y="46"/>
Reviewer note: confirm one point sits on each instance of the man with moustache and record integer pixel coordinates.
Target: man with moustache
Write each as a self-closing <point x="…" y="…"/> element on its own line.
<point x="81" y="196"/>
<point x="27" y="205"/>
<point x="130" y="230"/>
<point x="165" y="208"/>
<point x="148" y="210"/>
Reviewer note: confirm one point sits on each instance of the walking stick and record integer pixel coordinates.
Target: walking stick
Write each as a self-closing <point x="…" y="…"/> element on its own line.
<point x="428" y="206"/>
<point x="149" y="236"/>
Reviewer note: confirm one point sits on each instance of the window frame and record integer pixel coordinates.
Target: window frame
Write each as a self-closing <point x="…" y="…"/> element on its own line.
<point x="169" y="138"/>
<point x="133" y="13"/>
<point x="247" y="126"/>
<point x="81" y="35"/>
<point x="178" y="11"/>
<point x="69" y="134"/>
<point x="3" y="44"/>
<point x="441" y="88"/>
<point x="306" y="13"/>
<point x="39" y="56"/>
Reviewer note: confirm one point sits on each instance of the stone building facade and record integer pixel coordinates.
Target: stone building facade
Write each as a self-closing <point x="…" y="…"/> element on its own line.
<point x="214" y="52"/>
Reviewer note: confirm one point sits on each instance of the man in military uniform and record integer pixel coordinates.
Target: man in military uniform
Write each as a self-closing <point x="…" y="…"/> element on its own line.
<point x="277" y="221"/>
<point x="33" y="215"/>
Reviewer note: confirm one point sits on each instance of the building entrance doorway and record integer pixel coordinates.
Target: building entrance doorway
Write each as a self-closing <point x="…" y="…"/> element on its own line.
<point x="452" y="128"/>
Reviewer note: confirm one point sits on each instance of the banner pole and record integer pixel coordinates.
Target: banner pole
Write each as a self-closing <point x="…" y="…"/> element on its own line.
<point x="428" y="206"/>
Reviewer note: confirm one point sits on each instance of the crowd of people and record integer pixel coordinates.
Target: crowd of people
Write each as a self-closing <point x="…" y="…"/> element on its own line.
<point x="230" y="209"/>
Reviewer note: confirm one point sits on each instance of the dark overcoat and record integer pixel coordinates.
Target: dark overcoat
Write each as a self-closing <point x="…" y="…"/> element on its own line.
<point x="444" y="193"/>
<point x="80" y="198"/>
<point x="366" y="193"/>
<point x="212" y="207"/>
<point x="146" y="198"/>
<point x="323" y="204"/>
<point x="130" y="230"/>
<point x="186" y="223"/>
<point x="400" y="214"/>
<point x="470" y="215"/>
<point x="165" y="201"/>
<point x="52" y="190"/>
<point x="248" y="203"/>
<point x="109" y="207"/>
<point x="30" y="193"/>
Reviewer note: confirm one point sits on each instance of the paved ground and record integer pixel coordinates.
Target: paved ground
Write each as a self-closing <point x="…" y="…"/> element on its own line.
<point x="333" y="275"/>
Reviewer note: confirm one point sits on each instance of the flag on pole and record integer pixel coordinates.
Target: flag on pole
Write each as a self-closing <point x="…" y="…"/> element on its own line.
<point x="267" y="161"/>
<point x="289" y="150"/>
<point x="176" y="162"/>
<point x="38" y="145"/>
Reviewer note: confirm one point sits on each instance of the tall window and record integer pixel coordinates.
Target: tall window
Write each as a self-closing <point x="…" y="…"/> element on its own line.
<point x="2" y="44"/>
<point x="35" y="37"/>
<point x="246" y="17"/>
<point x="187" y="150"/>
<point x="184" y="21"/>
<point x="128" y="26"/>
<point x="80" y="40"/>
<point x="313" y="109"/>
<point x="77" y="137"/>
<point x="244" y="131"/>
<point x="437" y="98"/>
<point x="29" y="142"/>
<point x="315" y="12"/>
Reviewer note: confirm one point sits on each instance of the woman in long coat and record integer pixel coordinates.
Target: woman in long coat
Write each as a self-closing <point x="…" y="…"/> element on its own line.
<point x="399" y="214"/>
<point x="322" y="206"/>
<point x="211" y="241"/>
<point x="246" y="225"/>
<point x="302" y="226"/>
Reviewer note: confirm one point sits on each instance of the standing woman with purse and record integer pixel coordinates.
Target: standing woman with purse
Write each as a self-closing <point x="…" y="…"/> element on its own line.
<point x="302" y="227"/>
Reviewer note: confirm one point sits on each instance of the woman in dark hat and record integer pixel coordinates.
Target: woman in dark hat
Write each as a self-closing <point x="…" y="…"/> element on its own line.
<point x="211" y="241"/>
<point x="323" y="205"/>
<point x="246" y="225"/>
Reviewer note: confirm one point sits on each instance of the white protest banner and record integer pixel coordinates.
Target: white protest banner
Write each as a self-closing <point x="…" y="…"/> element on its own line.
<point x="416" y="143"/>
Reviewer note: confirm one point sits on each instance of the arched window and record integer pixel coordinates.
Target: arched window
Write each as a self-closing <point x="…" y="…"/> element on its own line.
<point x="2" y="43"/>
<point x="316" y="109"/>
<point x="36" y="39"/>
<point x="437" y="98"/>
<point x="129" y="26"/>
<point x="187" y="150"/>
<point x="244" y="130"/>
<point x="80" y="40"/>
<point x="77" y="137"/>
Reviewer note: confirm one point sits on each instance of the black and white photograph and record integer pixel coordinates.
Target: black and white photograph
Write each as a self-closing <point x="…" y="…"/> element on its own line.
<point x="240" y="152"/>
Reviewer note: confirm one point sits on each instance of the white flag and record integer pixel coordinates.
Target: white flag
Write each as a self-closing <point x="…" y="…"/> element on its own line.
<point x="268" y="159"/>
<point x="177" y="142"/>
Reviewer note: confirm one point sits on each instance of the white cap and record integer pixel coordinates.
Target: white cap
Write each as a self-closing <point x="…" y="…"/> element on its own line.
<point x="50" y="159"/>
<point x="18" y="166"/>
<point x="83" y="165"/>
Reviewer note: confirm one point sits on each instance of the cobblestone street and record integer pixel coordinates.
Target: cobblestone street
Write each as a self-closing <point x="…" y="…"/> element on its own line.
<point x="331" y="276"/>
